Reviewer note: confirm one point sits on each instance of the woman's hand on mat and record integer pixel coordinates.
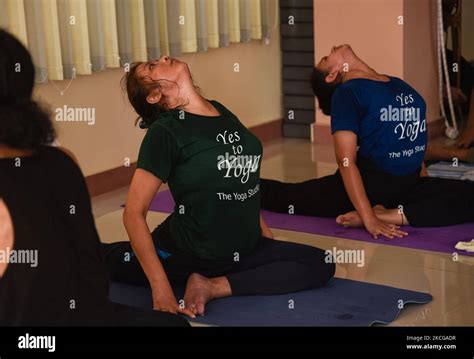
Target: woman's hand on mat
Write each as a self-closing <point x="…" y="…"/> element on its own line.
<point x="377" y="227"/>
<point x="165" y="301"/>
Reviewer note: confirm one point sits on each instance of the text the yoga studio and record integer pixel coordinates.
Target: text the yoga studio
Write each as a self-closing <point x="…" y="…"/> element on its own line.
<point x="238" y="196"/>
<point x="75" y="114"/>
<point x="354" y="256"/>
<point x="19" y="256"/>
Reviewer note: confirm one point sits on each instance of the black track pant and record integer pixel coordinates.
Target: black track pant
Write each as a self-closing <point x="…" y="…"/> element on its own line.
<point x="274" y="267"/>
<point x="126" y="316"/>
<point x="426" y="201"/>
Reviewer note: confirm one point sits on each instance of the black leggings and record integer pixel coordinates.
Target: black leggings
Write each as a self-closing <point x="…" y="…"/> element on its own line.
<point x="426" y="201"/>
<point x="274" y="267"/>
<point x="126" y="316"/>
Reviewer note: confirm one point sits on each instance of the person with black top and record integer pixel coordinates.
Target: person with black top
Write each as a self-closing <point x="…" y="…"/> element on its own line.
<point x="379" y="128"/>
<point x="463" y="96"/>
<point x="51" y="268"/>
<point x="215" y="242"/>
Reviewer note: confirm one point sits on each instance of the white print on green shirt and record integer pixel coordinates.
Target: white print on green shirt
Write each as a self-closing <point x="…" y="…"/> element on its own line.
<point x="238" y="196"/>
<point x="236" y="164"/>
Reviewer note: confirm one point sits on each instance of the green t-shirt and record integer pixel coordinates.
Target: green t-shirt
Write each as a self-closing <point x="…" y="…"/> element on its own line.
<point x="212" y="166"/>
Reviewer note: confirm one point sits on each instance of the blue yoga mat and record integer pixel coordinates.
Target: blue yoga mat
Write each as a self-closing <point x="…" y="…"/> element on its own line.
<point x="341" y="302"/>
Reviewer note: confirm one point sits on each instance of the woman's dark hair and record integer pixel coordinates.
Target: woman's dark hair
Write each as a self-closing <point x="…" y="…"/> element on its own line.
<point x="23" y="123"/>
<point x="137" y="92"/>
<point x="323" y="90"/>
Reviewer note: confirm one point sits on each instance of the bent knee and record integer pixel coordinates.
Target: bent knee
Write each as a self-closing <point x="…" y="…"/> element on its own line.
<point x="322" y="265"/>
<point x="330" y="270"/>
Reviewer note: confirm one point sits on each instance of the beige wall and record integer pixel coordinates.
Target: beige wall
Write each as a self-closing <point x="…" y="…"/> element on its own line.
<point x="371" y="27"/>
<point x="420" y="61"/>
<point x="254" y="94"/>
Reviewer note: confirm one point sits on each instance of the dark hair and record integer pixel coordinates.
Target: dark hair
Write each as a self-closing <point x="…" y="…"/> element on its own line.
<point x="323" y="90"/>
<point x="23" y="123"/>
<point x="137" y="92"/>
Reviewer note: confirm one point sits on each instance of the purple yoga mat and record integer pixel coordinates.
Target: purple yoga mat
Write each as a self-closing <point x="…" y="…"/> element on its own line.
<point x="439" y="239"/>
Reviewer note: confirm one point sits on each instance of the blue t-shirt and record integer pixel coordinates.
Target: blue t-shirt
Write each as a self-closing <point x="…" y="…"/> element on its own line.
<point x="389" y="119"/>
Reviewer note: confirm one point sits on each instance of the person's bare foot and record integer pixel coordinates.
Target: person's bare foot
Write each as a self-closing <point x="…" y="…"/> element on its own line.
<point x="350" y="219"/>
<point x="467" y="138"/>
<point x="200" y="290"/>
<point x="378" y="208"/>
<point x="446" y="153"/>
<point x="353" y="219"/>
<point x="198" y="293"/>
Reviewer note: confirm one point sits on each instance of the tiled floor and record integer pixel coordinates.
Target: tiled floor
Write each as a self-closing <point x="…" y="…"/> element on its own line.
<point x="450" y="282"/>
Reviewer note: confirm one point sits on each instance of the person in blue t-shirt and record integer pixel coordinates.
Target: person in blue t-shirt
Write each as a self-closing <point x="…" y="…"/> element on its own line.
<point x="387" y="119"/>
<point x="379" y="128"/>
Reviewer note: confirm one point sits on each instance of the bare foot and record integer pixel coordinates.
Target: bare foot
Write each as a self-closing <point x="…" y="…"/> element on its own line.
<point x="446" y="153"/>
<point x="467" y="138"/>
<point x="378" y="208"/>
<point x="200" y="290"/>
<point x="352" y="219"/>
<point x="198" y="293"/>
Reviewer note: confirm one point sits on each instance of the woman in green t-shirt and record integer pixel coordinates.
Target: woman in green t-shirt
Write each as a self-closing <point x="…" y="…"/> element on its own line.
<point x="215" y="241"/>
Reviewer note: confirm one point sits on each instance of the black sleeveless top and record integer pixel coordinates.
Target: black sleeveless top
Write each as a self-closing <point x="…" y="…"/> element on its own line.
<point x="50" y="208"/>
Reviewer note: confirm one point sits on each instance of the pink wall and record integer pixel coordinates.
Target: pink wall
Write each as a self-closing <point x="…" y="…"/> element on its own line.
<point x="420" y="63"/>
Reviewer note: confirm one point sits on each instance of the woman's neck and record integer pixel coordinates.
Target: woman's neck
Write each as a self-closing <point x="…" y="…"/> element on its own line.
<point x="193" y="101"/>
<point x="199" y="105"/>
<point x="359" y="69"/>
